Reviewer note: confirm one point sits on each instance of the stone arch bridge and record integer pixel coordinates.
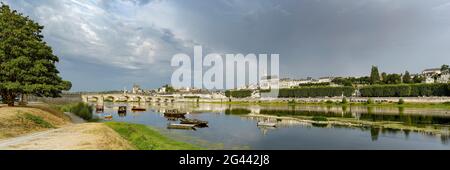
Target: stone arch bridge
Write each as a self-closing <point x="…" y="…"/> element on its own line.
<point x="126" y="98"/>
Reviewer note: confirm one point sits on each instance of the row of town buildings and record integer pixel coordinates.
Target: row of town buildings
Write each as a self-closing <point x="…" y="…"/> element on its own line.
<point x="435" y="75"/>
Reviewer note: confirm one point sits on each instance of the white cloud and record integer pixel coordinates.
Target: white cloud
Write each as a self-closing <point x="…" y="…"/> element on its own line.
<point x="105" y="32"/>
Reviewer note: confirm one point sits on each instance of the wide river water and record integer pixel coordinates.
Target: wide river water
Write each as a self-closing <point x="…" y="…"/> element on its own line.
<point x="352" y="127"/>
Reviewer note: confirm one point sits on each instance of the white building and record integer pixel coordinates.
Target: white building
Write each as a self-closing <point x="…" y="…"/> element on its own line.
<point x="289" y="83"/>
<point x="305" y="81"/>
<point x="269" y="82"/>
<point x="430" y="74"/>
<point x="249" y="87"/>
<point x="325" y="80"/>
<point x="444" y="78"/>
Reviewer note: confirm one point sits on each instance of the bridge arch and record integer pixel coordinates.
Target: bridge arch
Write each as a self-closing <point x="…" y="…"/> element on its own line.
<point x="139" y="99"/>
<point x="109" y="98"/>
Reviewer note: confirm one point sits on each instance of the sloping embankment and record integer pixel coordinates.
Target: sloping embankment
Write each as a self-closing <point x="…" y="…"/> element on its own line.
<point x="26" y="128"/>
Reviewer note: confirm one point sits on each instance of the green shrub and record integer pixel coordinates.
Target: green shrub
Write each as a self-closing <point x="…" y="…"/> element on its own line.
<point x="344" y="100"/>
<point x="238" y="93"/>
<point x="319" y="118"/>
<point x="315" y="92"/>
<point x="329" y="102"/>
<point x="291" y="102"/>
<point x="406" y="90"/>
<point x="191" y="97"/>
<point x="314" y="84"/>
<point x="37" y="120"/>
<point x="401" y="101"/>
<point x="83" y="110"/>
<point x="370" y="101"/>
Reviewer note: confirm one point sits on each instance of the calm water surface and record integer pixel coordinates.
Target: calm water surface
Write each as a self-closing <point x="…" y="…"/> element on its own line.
<point x="235" y="127"/>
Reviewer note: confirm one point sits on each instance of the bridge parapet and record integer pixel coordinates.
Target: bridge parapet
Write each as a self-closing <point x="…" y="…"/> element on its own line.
<point x="100" y="98"/>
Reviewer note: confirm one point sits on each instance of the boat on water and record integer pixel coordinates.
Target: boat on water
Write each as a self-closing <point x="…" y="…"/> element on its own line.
<point x="99" y="108"/>
<point x="139" y="109"/>
<point x="108" y="116"/>
<point x="122" y="109"/>
<point x="196" y="122"/>
<point x="181" y="126"/>
<point x="174" y="113"/>
<point x="266" y="124"/>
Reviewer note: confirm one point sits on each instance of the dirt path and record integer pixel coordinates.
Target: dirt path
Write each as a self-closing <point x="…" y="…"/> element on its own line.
<point x="86" y="136"/>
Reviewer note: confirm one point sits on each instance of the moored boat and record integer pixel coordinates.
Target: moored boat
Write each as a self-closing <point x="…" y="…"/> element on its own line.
<point x="108" y="117"/>
<point x="267" y="124"/>
<point x="99" y="108"/>
<point x="196" y="122"/>
<point x="181" y="126"/>
<point x="135" y="108"/>
<point x="174" y="113"/>
<point x="122" y="109"/>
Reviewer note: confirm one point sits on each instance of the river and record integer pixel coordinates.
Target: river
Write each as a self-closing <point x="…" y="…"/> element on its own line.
<point x="336" y="127"/>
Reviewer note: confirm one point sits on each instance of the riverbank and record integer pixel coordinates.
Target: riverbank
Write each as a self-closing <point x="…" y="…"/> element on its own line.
<point x="146" y="138"/>
<point x="17" y="121"/>
<point x="442" y="105"/>
<point x="322" y="121"/>
<point x="40" y="127"/>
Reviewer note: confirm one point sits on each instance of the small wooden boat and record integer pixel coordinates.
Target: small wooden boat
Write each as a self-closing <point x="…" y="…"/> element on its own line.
<point x="174" y="113"/>
<point x="196" y="122"/>
<point x="139" y="109"/>
<point x="108" y="117"/>
<point x="267" y="124"/>
<point x="181" y="126"/>
<point x="122" y="109"/>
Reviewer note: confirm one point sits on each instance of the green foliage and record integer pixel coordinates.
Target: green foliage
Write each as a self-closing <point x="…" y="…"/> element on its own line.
<point x="344" y="100"/>
<point x="169" y="89"/>
<point x="27" y="62"/>
<point x="405" y="90"/>
<point x="407" y="78"/>
<point x="329" y="102"/>
<point x="319" y="118"/>
<point x="401" y="101"/>
<point x="445" y="68"/>
<point x="316" y="92"/>
<point x="37" y="120"/>
<point x="292" y="102"/>
<point x="418" y="79"/>
<point x="342" y="81"/>
<point x="237" y="111"/>
<point x="351" y="81"/>
<point x="146" y="138"/>
<point x="82" y="110"/>
<point x="370" y="101"/>
<point x="239" y="93"/>
<point x="314" y="84"/>
<point x="392" y="79"/>
<point x="374" y="75"/>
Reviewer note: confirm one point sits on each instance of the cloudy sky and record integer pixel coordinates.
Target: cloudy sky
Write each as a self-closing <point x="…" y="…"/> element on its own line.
<point x="111" y="44"/>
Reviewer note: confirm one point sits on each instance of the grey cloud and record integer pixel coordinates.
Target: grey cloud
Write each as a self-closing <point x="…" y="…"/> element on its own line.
<point x="313" y="37"/>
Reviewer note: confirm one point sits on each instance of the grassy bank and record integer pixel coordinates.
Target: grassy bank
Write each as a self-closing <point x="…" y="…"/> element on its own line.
<point x="80" y="109"/>
<point x="146" y="138"/>
<point x="17" y="121"/>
